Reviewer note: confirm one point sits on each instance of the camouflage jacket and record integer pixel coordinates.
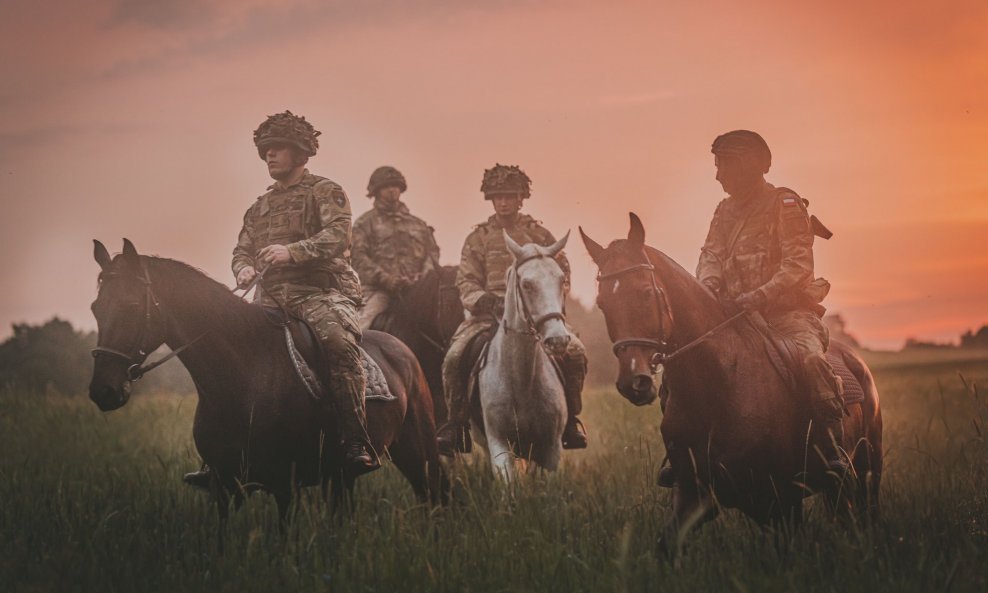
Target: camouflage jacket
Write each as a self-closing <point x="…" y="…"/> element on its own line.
<point x="763" y="242"/>
<point x="312" y="219"/>
<point x="392" y="243"/>
<point x="485" y="258"/>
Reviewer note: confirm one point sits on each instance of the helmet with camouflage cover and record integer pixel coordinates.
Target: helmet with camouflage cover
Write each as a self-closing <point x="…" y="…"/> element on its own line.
<point x="383" y="177"/>
<point x="505" y="179"/>
<point x="286" y="128"/>
<point x="744" y="144"/>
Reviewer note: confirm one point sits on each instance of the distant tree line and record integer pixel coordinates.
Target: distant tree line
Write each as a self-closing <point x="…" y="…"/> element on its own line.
<point x="969" y="339"/>
<point x="55" y="358"/>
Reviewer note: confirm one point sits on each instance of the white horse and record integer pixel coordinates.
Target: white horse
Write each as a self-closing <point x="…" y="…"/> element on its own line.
<point x="523" y="410"/>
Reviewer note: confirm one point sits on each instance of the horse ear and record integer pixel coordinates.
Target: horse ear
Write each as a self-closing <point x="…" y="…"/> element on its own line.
<point x="100" y="254"/>
<point x="592" y="246"/>
<point x="513" y="247"/>
<point x="130" y="254"/>
<point x="558" y="245"/>
<point x="636" y="234"/>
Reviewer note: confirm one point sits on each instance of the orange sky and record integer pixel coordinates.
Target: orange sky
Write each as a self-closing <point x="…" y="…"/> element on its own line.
<point x="133" y="118"/>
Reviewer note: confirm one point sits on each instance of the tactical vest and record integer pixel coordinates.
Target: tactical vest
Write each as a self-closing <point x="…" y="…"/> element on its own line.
<point x="497" y="258"/>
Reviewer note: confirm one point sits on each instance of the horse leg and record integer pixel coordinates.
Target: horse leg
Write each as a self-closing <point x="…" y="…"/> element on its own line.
<point x="692" y="506"/>
<point x="417" y="457"/>
<point x="868" y="466"/>
<point x="221" y="497"/>
<point x="502" y="457"/>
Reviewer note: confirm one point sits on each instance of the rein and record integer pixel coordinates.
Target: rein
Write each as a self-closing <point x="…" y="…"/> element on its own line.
<point x="533" y="324"/>
<point x="137" y="368"/>
<point x="661" y="356"/>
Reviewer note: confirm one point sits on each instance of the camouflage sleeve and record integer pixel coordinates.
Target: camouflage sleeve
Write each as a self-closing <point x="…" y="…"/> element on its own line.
<point x="432" y="252"/>
<point x="471" y="276"/>
<point x="244" y="252"/>
<point x="796" y="243"/>
<point x="333" y="239"/>
<point x="362" y="254"/>
<point x="712" y="252"/>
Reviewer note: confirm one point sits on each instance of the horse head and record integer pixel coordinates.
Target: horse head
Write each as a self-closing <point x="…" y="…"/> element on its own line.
<point x="535" y="293"/>
<point x="636" y="310"/>
<point x="129" y="324"/>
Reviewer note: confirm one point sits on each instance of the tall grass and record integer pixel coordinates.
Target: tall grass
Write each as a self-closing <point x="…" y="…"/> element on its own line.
<point x="94" y="502"/>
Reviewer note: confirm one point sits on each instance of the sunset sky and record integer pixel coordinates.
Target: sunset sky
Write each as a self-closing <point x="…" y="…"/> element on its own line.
<point x="133" y="118"/>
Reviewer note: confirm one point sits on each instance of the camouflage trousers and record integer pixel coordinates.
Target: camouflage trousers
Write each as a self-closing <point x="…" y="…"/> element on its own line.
<point x="376" y="301"/>
<point x="333" y="317"/>
<point x="573" y="363"/>
<point x="812" y="339"/>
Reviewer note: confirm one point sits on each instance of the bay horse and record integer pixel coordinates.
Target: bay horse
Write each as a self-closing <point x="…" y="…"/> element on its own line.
<point x="522" y="409"/>
<point x="425" y="316"/>
<point x="736" y="437"/>
<point x="256" y="425"/>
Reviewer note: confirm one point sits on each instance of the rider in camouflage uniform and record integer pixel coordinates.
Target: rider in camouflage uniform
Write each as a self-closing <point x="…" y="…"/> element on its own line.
<point x="299" y="234"/>
<point x="391" y="248"/>
<point x="481" y="281"/>
<point x="759" y="254"/>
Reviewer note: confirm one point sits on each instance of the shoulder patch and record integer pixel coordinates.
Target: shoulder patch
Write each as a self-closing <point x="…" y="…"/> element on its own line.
<point x="339" y="197"/>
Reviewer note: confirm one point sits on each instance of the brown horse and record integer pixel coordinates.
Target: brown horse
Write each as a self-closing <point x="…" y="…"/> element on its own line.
<point x="255" y="424"/>
<point x="736" y="437"/>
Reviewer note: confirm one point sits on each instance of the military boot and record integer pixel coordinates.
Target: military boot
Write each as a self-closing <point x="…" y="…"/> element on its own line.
<point x="454" y="436"/>
<point x="199" y="479"/>
<point x="574" y="373"/>
<point x="359" y="455"/>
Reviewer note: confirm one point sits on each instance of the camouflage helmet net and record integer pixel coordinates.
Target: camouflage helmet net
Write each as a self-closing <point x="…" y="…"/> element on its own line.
<point x="746" y="145"/>
<point x="286" y="128"/>
<point x="383" y="177"/>
<point x="505" y="179"/>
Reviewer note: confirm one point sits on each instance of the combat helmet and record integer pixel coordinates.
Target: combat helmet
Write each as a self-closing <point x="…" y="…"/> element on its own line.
<point x="383" y="177"/>
<point x="745" y="144"/>
<point x="505" y="179"/>
<point x="286" y="128"/>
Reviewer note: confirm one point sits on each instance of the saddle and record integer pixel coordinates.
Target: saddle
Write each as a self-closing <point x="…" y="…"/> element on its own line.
<point x="310" y="361"/>
<point x="784" y="356"/>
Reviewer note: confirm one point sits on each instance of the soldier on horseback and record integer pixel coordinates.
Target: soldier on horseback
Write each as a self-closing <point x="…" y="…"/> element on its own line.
<point x="392" y="249"/>
<point x="484" y="263"/>
<point x="299" y="234"/>
<point x="758" y="255"/>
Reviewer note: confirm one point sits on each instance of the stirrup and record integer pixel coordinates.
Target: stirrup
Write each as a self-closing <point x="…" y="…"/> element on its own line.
<point x="666" y="478"/>
<point x="199" y="479"/>
<point x="574" y="434"/>
<point x="360" y="458"/>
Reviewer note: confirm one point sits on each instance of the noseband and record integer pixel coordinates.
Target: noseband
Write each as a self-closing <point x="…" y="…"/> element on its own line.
<point x="660" y="346"/>
<point x="533" y="324"/>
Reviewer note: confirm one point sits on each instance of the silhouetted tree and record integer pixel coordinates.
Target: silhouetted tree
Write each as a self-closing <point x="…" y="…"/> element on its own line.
<point x="977" y="339"/>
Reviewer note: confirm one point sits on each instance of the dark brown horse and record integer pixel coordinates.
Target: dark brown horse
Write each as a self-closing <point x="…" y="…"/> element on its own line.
<point x="425" y="316"/>
<point x="735" y="435"/>
<point x="256" y="426"/>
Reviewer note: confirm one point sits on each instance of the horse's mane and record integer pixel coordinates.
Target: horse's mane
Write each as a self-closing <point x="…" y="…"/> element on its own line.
<point x="201" y="293"/>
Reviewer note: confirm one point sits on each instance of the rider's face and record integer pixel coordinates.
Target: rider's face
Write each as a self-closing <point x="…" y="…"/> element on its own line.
<point x="507" y="205"/>
<point x="281" y="160"/>
<point x="388" y="195"/>
<point x="735" y="175"/>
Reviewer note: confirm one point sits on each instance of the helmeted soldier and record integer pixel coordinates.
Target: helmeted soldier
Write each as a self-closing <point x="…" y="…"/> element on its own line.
<point x="392" y="249"/>
<point x="299" y="234"/>
<point x="480" y="279"/>
<point x="759" y="254"/>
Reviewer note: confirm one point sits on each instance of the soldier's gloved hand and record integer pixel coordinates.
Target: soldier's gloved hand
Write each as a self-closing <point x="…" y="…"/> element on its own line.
<point x="488" y="303"/>
<point x="246" y="276"/>
<point x="713" y="284"/>
<point x="751" y="301"/>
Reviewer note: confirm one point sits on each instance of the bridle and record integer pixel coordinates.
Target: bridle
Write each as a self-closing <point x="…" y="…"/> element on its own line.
<point x="662" y="355"/>
<point x="662" y="345"/>
<point x="533" y="325"/>
<point x="139" y="353"/>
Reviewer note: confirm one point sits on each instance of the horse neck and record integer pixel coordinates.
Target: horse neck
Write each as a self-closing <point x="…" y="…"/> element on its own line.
<point x="223" y="327"/>
<point x="519" y="349"/>
<point x="694" y="310"/>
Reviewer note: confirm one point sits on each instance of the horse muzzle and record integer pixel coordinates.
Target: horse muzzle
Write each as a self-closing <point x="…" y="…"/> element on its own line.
<point x="108" y="398"/>
<point x="557" y="344"/>
<point x="639" y="390"/>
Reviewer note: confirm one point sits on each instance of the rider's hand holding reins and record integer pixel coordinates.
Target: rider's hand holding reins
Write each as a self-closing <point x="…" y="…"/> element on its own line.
<point x="273" y="255"/>
<point x="246" y="276"/>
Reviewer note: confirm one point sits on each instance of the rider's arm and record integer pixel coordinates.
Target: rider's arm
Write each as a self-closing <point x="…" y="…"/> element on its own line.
<point x="471" y="276"/>
<point x="243" y="253"/>
<point x="334" y="236"/>
<point x="796" y="245"/>
<point x="432" y="251"/>
<point x="710" y="268"/>
<point x="362" y="254"/>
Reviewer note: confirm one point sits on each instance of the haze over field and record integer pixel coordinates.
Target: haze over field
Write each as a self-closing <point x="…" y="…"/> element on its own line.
<point x="133" y="118"/>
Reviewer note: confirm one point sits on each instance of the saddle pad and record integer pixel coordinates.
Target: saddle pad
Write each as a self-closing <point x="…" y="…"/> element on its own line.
<point x="853" y="393"/>
<point x="377" y="385"/>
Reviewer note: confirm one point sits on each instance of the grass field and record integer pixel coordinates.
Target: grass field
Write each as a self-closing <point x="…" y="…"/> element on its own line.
<point x="94" y="502"/>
